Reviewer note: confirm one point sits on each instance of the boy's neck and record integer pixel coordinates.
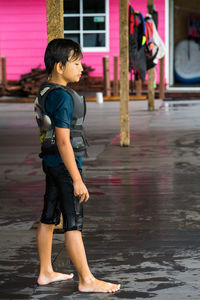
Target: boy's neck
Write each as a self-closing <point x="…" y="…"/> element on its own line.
<point x="57" y="80"/>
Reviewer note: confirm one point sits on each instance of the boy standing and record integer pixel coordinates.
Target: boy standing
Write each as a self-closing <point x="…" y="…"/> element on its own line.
<point x="62" y="147"/>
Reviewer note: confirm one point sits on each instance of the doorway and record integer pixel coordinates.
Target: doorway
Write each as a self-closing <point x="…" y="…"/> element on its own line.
<point x="183" y="43"/>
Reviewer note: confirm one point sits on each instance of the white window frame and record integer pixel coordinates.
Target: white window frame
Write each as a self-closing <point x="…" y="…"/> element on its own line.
<point x="81" y="31"/>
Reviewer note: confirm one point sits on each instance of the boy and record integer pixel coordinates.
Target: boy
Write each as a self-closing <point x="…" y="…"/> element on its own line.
<point x="65" y="190"/>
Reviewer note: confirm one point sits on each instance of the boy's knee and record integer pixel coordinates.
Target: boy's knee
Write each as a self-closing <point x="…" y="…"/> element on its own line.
<point x="44" y="226"/>
<point x="73" y="222"/>
<point x="50" y="217"/>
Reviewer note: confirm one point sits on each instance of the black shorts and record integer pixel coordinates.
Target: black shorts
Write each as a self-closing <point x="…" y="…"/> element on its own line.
<point x="59" y="198"/>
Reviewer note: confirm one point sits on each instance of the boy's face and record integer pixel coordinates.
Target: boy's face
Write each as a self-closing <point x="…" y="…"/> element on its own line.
<point x="72" y="70"/>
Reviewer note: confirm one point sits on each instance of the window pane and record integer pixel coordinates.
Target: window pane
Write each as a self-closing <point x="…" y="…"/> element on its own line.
<point x="74" y="37"/>
<point x="94" y="40"/>
<point x="71" y="6"/>
<point x="93" y="6"/>
<point x="71" y="23"/>
<point x="94" y="23"/>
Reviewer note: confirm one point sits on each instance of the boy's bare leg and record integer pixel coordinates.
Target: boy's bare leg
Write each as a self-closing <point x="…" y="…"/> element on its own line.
<point x="87" y="282"/>
<point x="44" y="242"/>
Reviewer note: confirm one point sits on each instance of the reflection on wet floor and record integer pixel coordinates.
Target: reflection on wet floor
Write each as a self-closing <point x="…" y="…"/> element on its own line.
<point x="175" y="105"/>
<point x="141" y="224"/>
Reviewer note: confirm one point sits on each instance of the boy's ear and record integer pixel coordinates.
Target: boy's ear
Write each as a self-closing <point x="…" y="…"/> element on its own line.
<point x="59" y="67"/>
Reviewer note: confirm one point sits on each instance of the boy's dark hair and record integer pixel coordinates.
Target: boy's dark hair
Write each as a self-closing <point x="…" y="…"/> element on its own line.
<point x="59" y="50"/>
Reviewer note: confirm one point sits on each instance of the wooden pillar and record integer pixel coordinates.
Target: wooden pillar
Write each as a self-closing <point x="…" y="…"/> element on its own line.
<point x="124" y="78"/>
<point x="138" y="87"/>
<point x="55" y="29"/>
<point x="115" y="81"/>
<point x="150" y="2"/>
<point x="3" y="72"/>
<point x="161" y="85"/>
<point x="151" y="92"/>
<point x="55" y="20"/>
<point x="106" y="75"/>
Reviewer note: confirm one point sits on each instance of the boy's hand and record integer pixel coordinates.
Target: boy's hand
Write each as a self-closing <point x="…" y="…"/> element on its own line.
<point x="81" y="191"/>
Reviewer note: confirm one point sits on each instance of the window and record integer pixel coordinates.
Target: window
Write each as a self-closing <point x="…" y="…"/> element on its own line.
<point x="86" y="22"/>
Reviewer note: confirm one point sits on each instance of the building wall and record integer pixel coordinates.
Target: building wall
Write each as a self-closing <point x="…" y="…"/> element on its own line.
<point x="23" y="35"/>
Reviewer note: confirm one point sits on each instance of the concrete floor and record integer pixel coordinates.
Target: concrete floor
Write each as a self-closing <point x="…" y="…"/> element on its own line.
<point x="142" y="221"/>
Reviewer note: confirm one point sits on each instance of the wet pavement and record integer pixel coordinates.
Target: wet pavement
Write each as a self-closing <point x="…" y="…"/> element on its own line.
<point x="142" y="223"/>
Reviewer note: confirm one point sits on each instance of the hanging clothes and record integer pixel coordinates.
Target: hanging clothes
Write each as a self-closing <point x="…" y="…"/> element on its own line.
<point x="154" y="14"/>
<point x="150" y="45"/>
<point x="159" y="49"/>
<point x="194" y="28"/>
<point x="137" y="57"/>
<point x="145" y="44"/>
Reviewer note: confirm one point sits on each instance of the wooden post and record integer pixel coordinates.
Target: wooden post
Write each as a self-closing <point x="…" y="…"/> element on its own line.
<point x="115" y="81"/>
<point x="151" y="92"/>
<point x="124" y="79"/>
<point x="3" y="72"/>
<point x="138" y="87"/>
<point x="106" y="73"/>
<point x="55" y="20"/>
<point x="161" y="85"/>
<point x="55" y="29"/>
<point x="150" y="2"/>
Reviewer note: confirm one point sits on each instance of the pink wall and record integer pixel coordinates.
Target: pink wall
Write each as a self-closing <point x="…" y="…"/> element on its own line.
<point x="23" y="35"/>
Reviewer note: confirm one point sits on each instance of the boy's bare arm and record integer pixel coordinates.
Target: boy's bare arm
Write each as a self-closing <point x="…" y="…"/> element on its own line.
<point x="67" y="154"/>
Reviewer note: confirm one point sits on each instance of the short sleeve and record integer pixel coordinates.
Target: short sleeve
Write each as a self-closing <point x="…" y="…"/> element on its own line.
<point x="59" y="106"/>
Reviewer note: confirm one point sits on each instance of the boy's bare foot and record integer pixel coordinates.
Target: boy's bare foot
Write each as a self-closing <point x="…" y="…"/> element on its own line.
<point x="53" y="277"/>
<point x="98" y="286"/>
